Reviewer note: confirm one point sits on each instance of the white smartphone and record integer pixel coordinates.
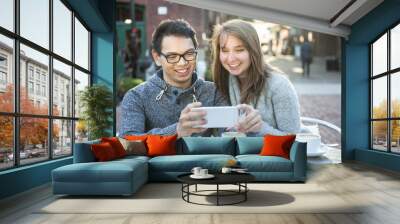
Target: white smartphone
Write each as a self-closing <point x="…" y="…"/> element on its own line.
<point x="220" y="117"/>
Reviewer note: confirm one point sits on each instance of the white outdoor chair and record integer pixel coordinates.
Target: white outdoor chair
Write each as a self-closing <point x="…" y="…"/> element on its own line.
<point x="311" y="135"/>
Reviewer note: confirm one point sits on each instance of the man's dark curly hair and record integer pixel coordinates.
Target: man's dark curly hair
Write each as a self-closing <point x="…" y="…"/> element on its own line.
<point x="178" y="27"/>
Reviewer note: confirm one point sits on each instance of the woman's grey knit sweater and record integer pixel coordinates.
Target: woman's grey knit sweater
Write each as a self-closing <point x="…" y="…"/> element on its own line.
<point x="278" y="105"/>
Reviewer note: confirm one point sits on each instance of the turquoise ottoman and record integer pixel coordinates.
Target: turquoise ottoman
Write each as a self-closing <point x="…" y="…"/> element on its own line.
<point x="119" y="177"/>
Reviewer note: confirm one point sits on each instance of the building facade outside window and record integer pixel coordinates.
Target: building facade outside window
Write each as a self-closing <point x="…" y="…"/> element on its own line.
<point x="3" y="72"/>
<point x="45" y="131"/>
<point x="385" y="91"/>
<point x="30" y="87"/>
<point x="3" y="78"/>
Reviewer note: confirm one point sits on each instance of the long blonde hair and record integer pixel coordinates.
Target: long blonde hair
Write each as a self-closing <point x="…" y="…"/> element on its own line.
<point x="256" y="73"/>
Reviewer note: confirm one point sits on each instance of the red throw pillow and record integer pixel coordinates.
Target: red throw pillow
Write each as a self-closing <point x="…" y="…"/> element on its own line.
<point x="277" y="145"/>
<point x="116" y="145"/>
<point x="103" y="151"/>
<point x="159" y="145"/>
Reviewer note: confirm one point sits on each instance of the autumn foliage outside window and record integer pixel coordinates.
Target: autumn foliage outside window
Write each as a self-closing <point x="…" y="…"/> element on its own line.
<point x="33" y="131"/>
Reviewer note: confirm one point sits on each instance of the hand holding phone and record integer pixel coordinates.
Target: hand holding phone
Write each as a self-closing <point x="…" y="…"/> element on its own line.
<point x="220" y="117"/>
<point x="190" y="120"/>
<point x="250" y="120"/>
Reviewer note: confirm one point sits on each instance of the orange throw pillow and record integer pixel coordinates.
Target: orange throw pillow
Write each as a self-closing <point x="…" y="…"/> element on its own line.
<point x="136" y="137"/>
<point x="116" y="145"/>
<point x="103" y="151"/>
<point x="277" y="145"/>
<point x="159" y="145"/>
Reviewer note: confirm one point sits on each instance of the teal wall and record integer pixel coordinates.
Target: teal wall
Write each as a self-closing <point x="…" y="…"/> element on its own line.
<point x="355" y="85"/>
<point x="103" y="65"/>
<point x="24" y="178"/>
<point x="99" y="16"/>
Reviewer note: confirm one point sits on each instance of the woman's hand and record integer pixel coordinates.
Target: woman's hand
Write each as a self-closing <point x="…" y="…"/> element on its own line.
<point x="250" y="121"/>
<point x="190" y="120"/>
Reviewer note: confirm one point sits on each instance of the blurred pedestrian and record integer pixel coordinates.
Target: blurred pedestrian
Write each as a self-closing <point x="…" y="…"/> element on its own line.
<point x="306" y="57"/>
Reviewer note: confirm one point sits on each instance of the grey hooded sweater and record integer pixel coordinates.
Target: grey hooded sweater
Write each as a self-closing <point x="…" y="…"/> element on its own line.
<point x="154" y="107"/>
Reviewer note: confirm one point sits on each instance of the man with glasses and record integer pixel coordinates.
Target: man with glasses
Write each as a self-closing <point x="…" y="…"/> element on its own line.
<point x="163" y="105"/>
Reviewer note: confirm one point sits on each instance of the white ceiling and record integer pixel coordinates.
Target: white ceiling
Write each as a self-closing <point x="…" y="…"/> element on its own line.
<point x="315" y="15"/>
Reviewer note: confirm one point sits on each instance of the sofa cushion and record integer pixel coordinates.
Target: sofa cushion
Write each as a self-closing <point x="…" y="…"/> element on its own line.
<point x="136" y="137"/>
<point x="249" y="145"/>
<point x="134" y="147"/>
<point x="116" y="145"/>
<point x="129" y="159"/>
<point x="159" y="145"/>
<point x="277" y="145"/>
<point x="103" y="152"/>
<point x="257" y="163"/>
<point x="83" y="152"/>
<point x="185" y="163"/>
<point x="142" y="138"/>
<point x="112" y="171"/>
<point x="207" y="145"/>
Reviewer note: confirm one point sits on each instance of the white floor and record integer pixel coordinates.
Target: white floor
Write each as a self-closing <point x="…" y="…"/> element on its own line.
<point x="332" y="156"/>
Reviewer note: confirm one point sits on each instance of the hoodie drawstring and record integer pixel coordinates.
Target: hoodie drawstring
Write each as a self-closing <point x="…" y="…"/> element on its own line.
<point x="194" y="94"/>
<point x="158" y="97"/>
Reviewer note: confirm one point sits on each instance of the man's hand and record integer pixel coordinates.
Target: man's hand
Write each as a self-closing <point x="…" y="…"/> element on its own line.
<point x="189" y="120"/>
<point x="251" y="121"/>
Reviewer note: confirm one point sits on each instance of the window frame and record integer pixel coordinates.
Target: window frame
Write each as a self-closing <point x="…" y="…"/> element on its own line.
<point x="388" y="74"/>
<point x="16" y="114"/>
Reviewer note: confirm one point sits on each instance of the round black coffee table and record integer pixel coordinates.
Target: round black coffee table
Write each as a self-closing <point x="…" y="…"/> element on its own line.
<point x="238" y="179"/>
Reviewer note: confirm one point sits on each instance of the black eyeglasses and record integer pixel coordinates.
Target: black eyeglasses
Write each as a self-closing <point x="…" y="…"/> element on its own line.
<point x="175" y="58"/>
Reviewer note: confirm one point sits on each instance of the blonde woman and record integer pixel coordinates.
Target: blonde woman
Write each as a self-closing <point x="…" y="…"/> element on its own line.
<point x="268" y="98"/>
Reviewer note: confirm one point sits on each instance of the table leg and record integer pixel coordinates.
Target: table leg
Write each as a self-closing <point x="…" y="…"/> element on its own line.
<point x="188" y="189"/>
<point x="217" y="194"/>
<point x="182" y="190"/>
<point x="245" y="191"/>
<point x="196" y="188"/>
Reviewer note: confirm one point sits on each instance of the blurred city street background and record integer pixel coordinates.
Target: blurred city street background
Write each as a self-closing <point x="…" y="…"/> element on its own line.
<point x="287" y="49"/>
<point x="319" y="92"/>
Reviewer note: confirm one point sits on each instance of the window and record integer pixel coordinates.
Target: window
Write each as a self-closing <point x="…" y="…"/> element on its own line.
<point x="81" y="45"/>
<point x="62" y="130"/>
<point x="44" y="77"/>
<point x="3" y="61"/>
<point x="3" y="78"/>
<point x="7" y="14"/>
<point x="7" y="142"/>
<point x="62" y="29"/>
<point x="3" y="72"/>
<point x="30" y="72"/>
<point x="385" y="94"/>
<point x="38" y="89"/>
<point x="54" y="126"/>
<point x="7" y="73"/>
<point x="30" y="87"/>
<point x="44" y="91"/>
<point x="37" y="74"/>
<point x="35" y="22"/>
<point x="63" y="75"/>
<point x="81" y="81"/>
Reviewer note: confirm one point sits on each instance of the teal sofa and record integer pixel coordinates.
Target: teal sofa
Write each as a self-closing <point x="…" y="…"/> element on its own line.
<point x="125" y="176"/>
